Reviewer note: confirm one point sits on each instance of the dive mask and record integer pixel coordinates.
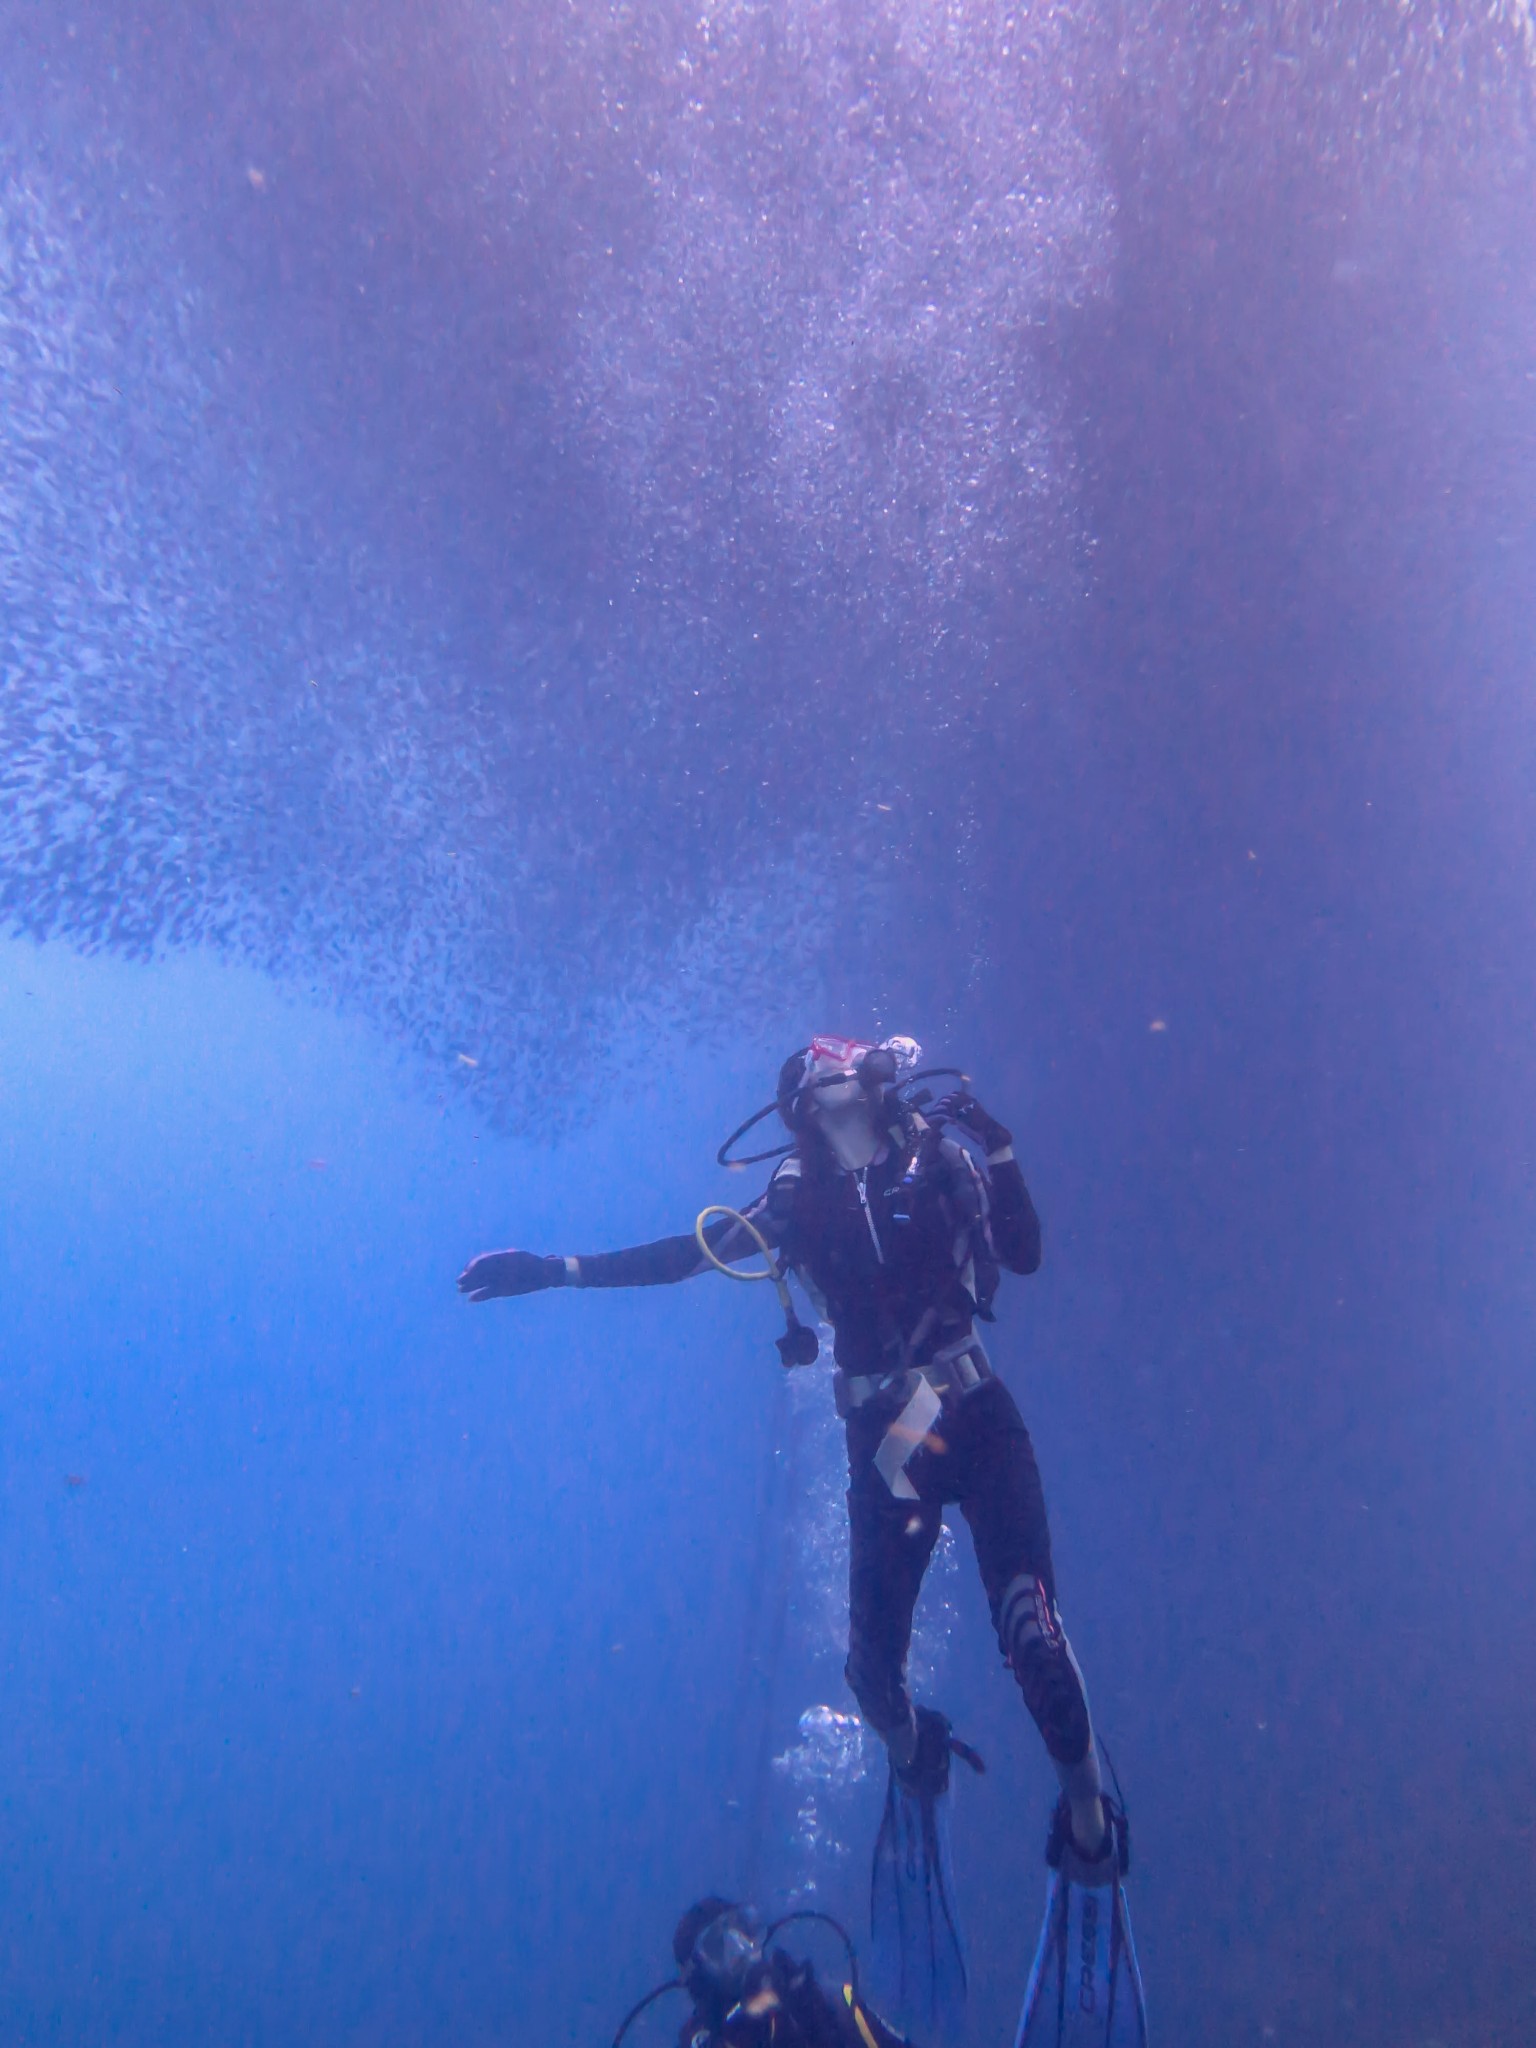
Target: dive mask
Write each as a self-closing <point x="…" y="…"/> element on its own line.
<point x="724" y="1953"/>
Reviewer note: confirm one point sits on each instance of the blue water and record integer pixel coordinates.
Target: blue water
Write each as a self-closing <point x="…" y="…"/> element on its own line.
<point x="546" y="554"/>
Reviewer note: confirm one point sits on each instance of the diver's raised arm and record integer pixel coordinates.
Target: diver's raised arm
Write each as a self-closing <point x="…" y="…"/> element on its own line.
<point x="1014" y="1223"/>
<point x="495" y="1275"/>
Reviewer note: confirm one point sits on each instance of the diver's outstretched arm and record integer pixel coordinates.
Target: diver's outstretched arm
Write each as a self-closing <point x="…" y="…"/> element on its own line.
<point x="495" y="1275"/>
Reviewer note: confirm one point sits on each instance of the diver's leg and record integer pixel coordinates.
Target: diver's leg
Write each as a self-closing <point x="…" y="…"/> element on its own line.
<point x="1004" y="1504"/>
<point x="889" y="1544"/>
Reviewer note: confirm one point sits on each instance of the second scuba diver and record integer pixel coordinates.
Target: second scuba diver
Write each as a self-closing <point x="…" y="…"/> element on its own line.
<point x="746" y="1993"/>
<point x="897" y="1219"/>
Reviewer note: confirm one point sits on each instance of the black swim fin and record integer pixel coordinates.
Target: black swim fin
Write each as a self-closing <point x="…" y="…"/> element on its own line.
<point x="1085" y="1987"/>
<point x="919" y="1950"/>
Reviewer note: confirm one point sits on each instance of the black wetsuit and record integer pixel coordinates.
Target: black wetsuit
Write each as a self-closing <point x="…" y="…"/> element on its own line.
<point x="902" y="1257"/>
<point x="781" y="2005"/>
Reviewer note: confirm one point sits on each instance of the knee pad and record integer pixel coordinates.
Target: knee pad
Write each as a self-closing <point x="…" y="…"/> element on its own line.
<point x="1035" y="1645"/>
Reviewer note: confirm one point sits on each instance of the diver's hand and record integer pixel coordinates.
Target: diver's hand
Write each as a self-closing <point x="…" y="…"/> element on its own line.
<point x="496" y="1274"/>
<point x="961" y="1107"/>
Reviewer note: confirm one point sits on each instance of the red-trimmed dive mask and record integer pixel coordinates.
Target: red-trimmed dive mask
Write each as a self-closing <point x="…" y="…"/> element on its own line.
<point x="843" y="1070"/>
<point x="836" y="1071"/>
<point x="826" y="1052"/>
<point x="837" y="1074"/>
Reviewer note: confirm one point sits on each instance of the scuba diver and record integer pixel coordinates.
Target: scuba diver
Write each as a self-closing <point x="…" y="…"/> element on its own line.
<point x="746" y="1994"/>
<point x="897" y="1216"/>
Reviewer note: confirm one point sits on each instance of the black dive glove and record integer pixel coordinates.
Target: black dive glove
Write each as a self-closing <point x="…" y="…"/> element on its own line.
<point x="495" y="1274"/>
<point x="961" y="1107"/>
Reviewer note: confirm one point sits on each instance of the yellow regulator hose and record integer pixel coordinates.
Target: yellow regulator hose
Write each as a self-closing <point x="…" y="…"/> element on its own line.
<point x="771" y="1271"/>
